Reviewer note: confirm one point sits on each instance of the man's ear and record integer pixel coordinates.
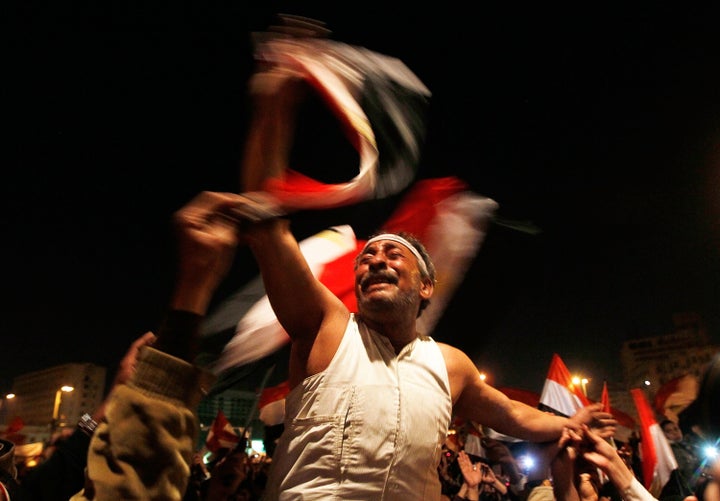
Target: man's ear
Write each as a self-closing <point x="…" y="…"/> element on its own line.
<point x="427" y="288"/>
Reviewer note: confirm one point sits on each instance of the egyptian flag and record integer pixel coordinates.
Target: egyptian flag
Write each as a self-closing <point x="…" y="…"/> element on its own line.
<point x="243" y="338"/>
<point x="221" y="434"/>
<point x="559" y="394"/>
<point x="605" y="401"/>
<point x="272" y="404"/>
<point x="244" y="327"/>
<point x="379" y="103"/>
<point x="658" y="460"/>
<point x="605" y="398"/>
<point x="626" y="423"/>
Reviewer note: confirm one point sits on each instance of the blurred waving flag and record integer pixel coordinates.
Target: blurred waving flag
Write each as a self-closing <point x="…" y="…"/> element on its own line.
<point x="380" y="104"/>
<point x="242" y="337"/>
<point x="658" y="460"/>
<point x="559" y="394"/>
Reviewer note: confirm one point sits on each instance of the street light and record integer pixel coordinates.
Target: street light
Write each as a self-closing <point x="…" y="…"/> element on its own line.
<point x="56" y="408"/>
<point x="582" y="381"/>
<point x="5" y="408"/>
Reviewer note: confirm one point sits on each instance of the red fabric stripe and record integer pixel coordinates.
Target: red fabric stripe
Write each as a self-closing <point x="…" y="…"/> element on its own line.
<point x="559" y="373"/>
<point x="647" y="444"/>
<point x="418" y="207"/>
<point x="605" y="398"/>
<point x="525" y="396"/>
<point x="413" y="214"/>
<point x="273" y="394"/>
<point x="221" y="433"/>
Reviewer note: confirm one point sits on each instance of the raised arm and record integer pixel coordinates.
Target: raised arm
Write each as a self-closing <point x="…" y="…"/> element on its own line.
<point x="311" y="315"/>
<point x="302" y="304"/>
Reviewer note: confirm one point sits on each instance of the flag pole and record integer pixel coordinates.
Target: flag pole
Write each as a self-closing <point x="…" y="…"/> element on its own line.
<point x="253" y="409"/>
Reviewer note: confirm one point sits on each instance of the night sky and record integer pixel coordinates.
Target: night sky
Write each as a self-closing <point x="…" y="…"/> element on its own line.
<point x="599" y="126"/>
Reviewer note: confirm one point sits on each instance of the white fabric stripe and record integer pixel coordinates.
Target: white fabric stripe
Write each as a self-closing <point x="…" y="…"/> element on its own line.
<point x="558" y="397"/>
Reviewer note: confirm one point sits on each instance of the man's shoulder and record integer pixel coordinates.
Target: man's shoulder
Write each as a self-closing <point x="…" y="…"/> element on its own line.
<point x="455" y="359"/>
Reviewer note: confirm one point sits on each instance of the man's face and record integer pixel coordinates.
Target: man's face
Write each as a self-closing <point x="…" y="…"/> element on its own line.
<point x="672" y="432"/>
<point x="387" y="275"/>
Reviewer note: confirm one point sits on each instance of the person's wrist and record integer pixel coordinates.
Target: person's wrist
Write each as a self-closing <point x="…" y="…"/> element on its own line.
<point x="620" y="474"/>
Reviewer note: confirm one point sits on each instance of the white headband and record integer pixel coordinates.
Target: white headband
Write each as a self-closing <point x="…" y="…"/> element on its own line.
<point x="398" y="239"/>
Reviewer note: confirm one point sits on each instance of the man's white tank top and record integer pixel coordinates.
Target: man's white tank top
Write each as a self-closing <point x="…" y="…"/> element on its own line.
<point x="369" y="427"/>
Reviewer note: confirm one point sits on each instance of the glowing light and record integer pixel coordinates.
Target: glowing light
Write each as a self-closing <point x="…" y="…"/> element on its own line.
<point x="56" y="407"/>
<point x="582" y="382"/>
<point x="257" y="446"/>
<point x="527" y="462"/>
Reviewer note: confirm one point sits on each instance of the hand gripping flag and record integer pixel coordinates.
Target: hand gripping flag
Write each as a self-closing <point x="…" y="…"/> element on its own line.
<point x="242" y="336"/>
<point x="559" y="394"/>
<point x="625" y="423"/>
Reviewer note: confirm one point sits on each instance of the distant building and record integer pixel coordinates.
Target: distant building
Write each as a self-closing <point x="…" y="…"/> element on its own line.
<point x="657" y="360"/>
<point x="648" y="363"/>
<point x="37" y="393"/>
<point x="38" y="399"/>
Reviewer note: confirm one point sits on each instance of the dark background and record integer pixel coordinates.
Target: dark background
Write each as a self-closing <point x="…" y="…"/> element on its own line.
<point x="599" y="125"/>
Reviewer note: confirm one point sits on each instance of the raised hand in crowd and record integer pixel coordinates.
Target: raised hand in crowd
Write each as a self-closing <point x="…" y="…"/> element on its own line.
<point x="591" y="447"/>
<point x="574" y="478"/>
<point x="472" y="477"/>
<point x="144" y="443"/>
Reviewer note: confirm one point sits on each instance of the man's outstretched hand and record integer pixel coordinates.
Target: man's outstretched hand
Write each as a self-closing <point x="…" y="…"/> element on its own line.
<point x="600" y="422"/>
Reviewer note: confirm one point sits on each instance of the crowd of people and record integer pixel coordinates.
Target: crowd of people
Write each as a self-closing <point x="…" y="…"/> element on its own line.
<point x="372" y="398"/>
<point x="580" y="466"/>
<point x="140" y="443"/>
